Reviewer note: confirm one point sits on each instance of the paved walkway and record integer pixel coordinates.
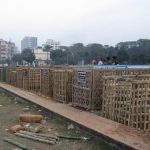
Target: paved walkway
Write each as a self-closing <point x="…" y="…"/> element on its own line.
<point x="114" y="131"/>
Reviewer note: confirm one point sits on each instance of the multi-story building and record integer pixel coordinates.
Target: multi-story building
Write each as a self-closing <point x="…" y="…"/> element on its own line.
<point x="12" y="49"/>
<point x="7" y="49"/>
<point x="41" y="56"/>
<point x="53" y="44"/>
<point x="29" y="42"/>
<point x="3" y="50"/>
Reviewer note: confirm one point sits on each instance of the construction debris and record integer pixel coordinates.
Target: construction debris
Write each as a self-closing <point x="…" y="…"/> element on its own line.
<point x="36" y="138"/>
<point x="70" y="127"/>
<point x="6" y="129"/>
<point x="26" y="109"/>
<point x="50" y="129"/>
<point x="74" y="138"/>
<point x="28" y="127"/>
<point x="38" y="128"/>
<point x="24" y="147"/>
<point x="30" y="118"/>
<point x="50" y="136"/>
<point x="16" y="128"/>
<point x="43" y="122"/>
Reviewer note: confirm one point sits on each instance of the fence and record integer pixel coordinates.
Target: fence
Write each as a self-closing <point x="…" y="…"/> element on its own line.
<point x="62" y="85"/>
<point x="34" y="79"/>
<point x="126" y="100"/>
<point x="20" y="76"/>
<point x="87" y="87"/>
<point x="8" y="75"/>
<point x="123" y="94"/>
<point x="46" y="82"/>
<point x="132" y="71"/>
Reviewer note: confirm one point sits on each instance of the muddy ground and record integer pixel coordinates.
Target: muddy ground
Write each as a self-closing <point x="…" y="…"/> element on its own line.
<point x="11" y="107"/>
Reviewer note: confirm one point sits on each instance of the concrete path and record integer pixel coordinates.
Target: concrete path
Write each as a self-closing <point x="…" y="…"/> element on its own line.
<point x="125" y="137"/>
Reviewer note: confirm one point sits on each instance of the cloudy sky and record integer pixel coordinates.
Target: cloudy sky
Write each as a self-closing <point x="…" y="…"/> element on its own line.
<point x="71" y="21"/>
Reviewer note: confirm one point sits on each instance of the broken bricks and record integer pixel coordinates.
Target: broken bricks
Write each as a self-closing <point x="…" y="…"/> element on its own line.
<point x="16" y="128"/>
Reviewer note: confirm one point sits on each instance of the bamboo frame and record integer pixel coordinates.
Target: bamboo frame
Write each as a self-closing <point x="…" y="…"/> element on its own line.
<point x="127" y="100"/>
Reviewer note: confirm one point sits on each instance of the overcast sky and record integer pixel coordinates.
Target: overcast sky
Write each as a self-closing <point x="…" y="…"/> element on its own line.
<point x="72" y="21"/>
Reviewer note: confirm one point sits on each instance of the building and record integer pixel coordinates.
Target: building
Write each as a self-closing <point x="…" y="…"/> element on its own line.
<point x="41" y="56"/>
<point x="12" y="49"/>
<point x="53" y="44"/>
<point x="3" y="50"/>
<point x="29" y="42"/>
<point x="7" y="50"/>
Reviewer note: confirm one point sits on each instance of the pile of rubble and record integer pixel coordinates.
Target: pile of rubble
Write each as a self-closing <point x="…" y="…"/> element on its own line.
<point x="26" y="130"/>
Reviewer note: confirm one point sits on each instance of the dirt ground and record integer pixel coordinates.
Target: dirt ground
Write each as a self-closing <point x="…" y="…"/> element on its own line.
<point x="11" y="107"/>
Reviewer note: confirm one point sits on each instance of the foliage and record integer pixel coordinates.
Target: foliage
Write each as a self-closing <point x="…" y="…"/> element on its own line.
<point x="17" y="58"/>
<point x="134" y="52"/>
<point x="123" y="57"/>
<point x="28" y="55"/>
<point x="59" y="57"/>
<point x="47" y="48"/>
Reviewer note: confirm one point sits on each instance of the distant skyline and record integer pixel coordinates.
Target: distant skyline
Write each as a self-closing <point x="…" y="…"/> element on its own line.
<point x="72" y="21"/>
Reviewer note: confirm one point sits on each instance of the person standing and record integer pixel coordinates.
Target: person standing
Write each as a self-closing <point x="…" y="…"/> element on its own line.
<point x="108" y="61"/>
<point x="114" y="60"/>
<point x="93" y="62"/>
<point x="100" y="62"/>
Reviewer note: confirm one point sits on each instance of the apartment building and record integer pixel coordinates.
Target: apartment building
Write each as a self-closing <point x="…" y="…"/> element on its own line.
<point x="7" y="50"/>
<point x="53" y="44"/>
<point x="29" y="42"/>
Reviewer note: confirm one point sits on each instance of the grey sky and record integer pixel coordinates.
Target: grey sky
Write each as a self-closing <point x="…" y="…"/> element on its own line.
<point x="71" y="21"/>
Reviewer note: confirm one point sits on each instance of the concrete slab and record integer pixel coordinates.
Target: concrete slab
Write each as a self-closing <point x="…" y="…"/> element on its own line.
<point x="123" y="136"/>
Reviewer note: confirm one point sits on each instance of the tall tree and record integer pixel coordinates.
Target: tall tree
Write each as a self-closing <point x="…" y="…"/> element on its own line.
<point x="28" y="55"/>
<point x="48" y="49"/>
<point x="17" y="58"/>
<point x="122" y="56"/>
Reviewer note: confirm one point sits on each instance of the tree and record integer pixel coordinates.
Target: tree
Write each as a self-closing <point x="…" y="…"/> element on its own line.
<point x="95" y="51"/>
<point x="59" y="57"/>
<point x="17" y="58"/>
<point x="8" y="61"/>
<point x="134" y="52"/>
<point x="47" y="48"/>
<point x="76" y="52"/>
<point x="122" y="56"/>
<point x="28" y="55"/>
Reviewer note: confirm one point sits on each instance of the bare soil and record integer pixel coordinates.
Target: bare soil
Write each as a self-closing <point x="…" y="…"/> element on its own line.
<point x="11" y="107"/>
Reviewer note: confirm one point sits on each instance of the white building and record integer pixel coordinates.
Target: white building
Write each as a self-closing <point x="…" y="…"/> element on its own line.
<point x="41" y="56"/>
<point x="55" y="45"/>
